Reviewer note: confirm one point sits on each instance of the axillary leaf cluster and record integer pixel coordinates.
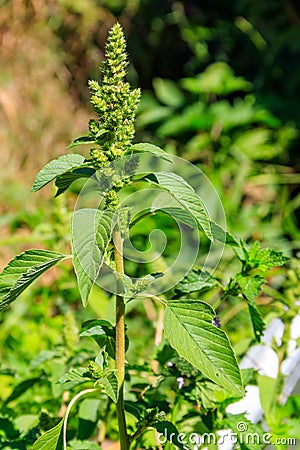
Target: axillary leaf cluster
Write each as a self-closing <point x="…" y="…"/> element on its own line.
<point x="114" y="102"/>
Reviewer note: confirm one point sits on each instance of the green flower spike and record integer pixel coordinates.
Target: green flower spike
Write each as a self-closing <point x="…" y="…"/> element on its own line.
<point x="114" y="102"/>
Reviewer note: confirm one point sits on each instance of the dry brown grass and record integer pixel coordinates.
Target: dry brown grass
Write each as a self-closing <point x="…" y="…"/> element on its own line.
<point x="47" y="50"/>
<point x="38" y="116"/>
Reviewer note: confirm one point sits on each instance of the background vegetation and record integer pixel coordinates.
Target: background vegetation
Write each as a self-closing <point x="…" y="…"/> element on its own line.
<point x="220" y="85"/>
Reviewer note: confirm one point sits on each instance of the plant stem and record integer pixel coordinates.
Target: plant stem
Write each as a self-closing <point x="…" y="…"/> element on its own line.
<point x="120" y="340"/>
<point x="65" y="420"/>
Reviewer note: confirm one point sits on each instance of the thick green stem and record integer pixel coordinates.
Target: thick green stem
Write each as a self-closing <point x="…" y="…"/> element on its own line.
<point x="120" y="341"/>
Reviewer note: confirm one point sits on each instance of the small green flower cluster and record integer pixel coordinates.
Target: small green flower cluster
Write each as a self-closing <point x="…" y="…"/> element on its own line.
<point x="94" y="370"/>
<point x="114" y="102"/>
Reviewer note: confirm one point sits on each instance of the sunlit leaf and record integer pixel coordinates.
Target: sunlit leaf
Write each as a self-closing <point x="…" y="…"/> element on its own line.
<point x="196" y="280"/>
<point x="188" y="327"/>
<point x="55" y="168"/>
<point x="185" y="195"/>
<point x="51" y="440"/>
<point x="22" y="271"/>
<point x="222" y="235"/>
<point x="218" y="78"/>
<point x="91" y="231"/>
<point x="144" y="147"/>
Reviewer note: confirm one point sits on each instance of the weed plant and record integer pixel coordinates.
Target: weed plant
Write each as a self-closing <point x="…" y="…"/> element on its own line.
<point x="194" y="374"/>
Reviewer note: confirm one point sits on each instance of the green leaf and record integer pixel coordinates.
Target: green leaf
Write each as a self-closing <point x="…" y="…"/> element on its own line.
<point x="185" y="217"/>
<point x="22" y="271"/>
<point x="88" y="416"/>
<point x="51" y="440"/>
<point x="197" y="280"/>
<point x="182" y="215"/>
<point x="97" y="327"/>
<point x="74" y="377"/>
<point x="153" y="115"/>
<point x="269" y="258"/>
<point x="22" y="387"/>
<point x="168" y="432"/>
<point x="64" y="181"/>
<point x="88" y="409"/>
<point x="91" y="232"/>
<point x="8" y="426"/>
<point x="82" y="140"/>
<point x="104" y="333"/>
<point x="251" y="286"/>
<point x="218" y="78"/>
<point x="263" y="258"/>
<point x="189" y="329"/>
<point x="134" y="408"/>
<point x="222" y="235"/>
<point x="267" y="393"/>
<point x="185" y="196"/>
<point x="293" y="431"/>
<point x="110" y="384"/>
<point x="144" y="147"/>
<point x="257" y="321"/>
<point x="167" y="92"/>
<point x="249" y="434"/>
<point x="55" y="168"/>
<point x="100" y="330"/>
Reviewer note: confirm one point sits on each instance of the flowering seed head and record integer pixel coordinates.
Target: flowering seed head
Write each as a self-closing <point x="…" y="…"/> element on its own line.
<point x="113" y="100"/>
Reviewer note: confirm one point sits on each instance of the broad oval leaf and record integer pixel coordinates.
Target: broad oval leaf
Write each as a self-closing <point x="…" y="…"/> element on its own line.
<point x="185" y="196"/>
<point x="144" y="147"/>
<point x="51" y="440"/>
<point x="189" y="329"/>
<point x="22" y="271"/>
<point x="55" y="168"/>
<point x="91" y="231"/>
